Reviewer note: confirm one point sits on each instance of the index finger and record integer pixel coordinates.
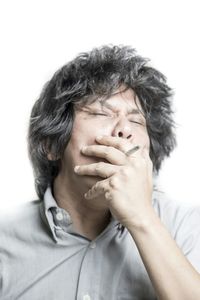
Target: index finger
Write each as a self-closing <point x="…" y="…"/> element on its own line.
<point x="116" y="142"/>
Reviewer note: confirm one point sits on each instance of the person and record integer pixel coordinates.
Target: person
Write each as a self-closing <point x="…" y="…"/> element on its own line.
<point x="101" y="229"/>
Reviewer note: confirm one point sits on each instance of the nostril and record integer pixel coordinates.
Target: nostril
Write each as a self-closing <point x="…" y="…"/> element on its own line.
<point x="120" y="134"/>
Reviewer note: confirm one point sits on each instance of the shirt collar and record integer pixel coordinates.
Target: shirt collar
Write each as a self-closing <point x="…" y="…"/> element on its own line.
<point x="45" y="209"/>
<point x="58" y="218"/>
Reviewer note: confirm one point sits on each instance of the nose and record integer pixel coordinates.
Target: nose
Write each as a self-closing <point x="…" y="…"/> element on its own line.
<point x="122" y="129"/>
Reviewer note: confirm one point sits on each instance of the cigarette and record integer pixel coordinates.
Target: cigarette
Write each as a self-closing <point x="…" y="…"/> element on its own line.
<point x="132" y="150"/>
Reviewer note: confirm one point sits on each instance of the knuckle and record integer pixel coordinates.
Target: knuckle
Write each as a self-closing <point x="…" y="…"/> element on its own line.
<point x="98" y="166"/>
<point x="125" y="172"/>
<point x="100" y="169"/>
<point x="107" y="152"/>
<point x="120" y="148"/>
<point x="95" y="187"/>
<point x="101" y="165"/>
<point x="108" y="196"/>
<point x="98" y="184"/>
<point x="122" y="144"/>
<point x="104" y="189"/>
<point x="114" y="182"/>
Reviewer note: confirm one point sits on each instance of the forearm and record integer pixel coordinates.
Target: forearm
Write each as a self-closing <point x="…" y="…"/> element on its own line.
<point x="172" y="275"/>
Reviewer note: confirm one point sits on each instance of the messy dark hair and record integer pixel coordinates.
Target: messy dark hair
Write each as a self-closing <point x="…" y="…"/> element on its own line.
<point x="93" y="75"/>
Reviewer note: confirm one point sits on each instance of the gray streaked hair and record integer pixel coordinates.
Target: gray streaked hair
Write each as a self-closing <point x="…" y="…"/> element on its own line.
<point x="92" y="75"/>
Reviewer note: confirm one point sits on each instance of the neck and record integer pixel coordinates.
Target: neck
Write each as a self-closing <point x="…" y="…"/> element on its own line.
<point x="88" y="220"/>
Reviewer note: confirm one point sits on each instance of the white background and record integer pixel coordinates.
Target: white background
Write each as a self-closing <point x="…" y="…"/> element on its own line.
<point x="37" y="37"/>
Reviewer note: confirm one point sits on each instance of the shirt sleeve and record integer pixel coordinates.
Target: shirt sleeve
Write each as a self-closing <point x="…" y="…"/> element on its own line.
<point x="1" y="277"/>
<point x="188" y="236"/>
<point x="183" y="223"/>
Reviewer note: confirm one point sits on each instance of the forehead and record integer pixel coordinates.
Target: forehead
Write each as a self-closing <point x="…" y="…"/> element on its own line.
<point x="122" y="98"/>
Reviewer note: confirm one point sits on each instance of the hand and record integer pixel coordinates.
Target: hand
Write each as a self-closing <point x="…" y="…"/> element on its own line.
<point x="126" y="183"/>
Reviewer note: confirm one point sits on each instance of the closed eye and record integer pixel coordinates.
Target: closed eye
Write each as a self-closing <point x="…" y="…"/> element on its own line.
<point x="98" y="114"/>
<point x="137" y="122"/>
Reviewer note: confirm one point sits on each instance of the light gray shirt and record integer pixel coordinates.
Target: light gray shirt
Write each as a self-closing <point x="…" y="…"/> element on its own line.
<point x="42" y="258"/>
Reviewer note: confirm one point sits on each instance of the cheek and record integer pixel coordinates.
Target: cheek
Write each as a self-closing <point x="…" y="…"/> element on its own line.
<point x="81" y="136"/>
<point x="143" y="138"/>
<point x="85" y="131"/>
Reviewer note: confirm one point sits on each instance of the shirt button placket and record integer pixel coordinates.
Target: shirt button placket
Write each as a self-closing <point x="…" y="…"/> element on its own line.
<point x="85" y="289"/>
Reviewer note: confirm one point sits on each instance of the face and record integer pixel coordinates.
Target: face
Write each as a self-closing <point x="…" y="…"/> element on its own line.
<point x="119" y="116"/>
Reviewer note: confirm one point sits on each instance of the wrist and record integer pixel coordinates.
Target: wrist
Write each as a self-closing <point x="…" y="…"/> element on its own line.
<point x="142" y="223"/>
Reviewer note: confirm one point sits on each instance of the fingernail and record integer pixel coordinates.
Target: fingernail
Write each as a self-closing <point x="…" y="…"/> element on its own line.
<point x="85" y="195"/>
<point x="76" y="168"/>
<point x="98" y="138"/>
<point x="83" y="148"/>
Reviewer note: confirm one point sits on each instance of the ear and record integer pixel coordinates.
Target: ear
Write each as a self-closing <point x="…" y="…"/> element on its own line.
<point x="49" y="153"/>
<point x="50" y="156"/>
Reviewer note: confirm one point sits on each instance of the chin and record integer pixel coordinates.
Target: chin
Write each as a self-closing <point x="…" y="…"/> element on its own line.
<point x="91" y="180"/>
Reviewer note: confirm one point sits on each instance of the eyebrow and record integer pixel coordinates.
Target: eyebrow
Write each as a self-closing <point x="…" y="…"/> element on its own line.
<point x="134" y="111"/>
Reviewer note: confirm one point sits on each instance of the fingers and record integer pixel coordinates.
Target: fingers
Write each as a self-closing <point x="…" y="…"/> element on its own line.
<point x="100" y="188"/>
<point x="141" y="156"/>
<point x="111" y="154"/>
<point x="108" y="149"/>
<point x="121" y="144"/>
<point x="101" y="169"/>
<point x="111" y="148"/>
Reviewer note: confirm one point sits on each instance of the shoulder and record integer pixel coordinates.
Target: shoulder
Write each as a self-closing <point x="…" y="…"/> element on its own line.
<point x="21" y="219"/>
<point x="170" y="210"/>
<point x="182" y="220"/>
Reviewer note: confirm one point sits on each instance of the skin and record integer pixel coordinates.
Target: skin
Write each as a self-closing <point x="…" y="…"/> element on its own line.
<point x="104" y="169"/>
<point x="97" y="178"/>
